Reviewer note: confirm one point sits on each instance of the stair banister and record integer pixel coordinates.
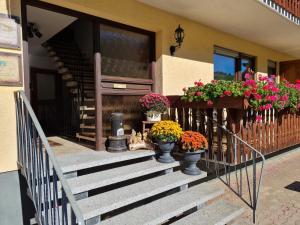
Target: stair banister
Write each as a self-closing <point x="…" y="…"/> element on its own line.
<point x="31" y="140"/>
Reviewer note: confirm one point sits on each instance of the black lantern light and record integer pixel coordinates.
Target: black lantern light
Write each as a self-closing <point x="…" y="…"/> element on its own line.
<point x="179" y="36"/>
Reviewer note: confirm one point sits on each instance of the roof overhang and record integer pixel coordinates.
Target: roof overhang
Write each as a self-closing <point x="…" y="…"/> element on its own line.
<point x="247" y="19"/>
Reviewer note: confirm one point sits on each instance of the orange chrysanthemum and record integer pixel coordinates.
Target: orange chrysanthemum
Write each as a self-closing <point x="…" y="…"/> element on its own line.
<point x="193" y="141"/>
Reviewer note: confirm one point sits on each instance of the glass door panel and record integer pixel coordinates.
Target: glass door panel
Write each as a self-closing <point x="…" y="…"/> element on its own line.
<point x="124" y="53"/>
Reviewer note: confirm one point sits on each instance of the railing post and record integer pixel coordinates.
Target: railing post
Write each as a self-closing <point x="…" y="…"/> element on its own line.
<point x="254" y="185"/>
<point x="98" y="101"/>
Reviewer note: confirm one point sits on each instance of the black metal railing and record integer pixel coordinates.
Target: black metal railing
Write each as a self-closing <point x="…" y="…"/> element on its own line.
<point x="51" y="195"/>
<point x="234" y="161"/>
<point x="238" y="165"/>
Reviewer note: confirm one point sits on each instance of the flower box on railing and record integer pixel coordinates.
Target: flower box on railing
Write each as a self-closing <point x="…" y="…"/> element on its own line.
<point x="228" y="102"/>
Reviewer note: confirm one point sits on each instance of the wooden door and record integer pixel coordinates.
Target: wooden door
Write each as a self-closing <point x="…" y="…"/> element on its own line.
<point x="126" y="73"/>
<point x="45" y="87"/>
<point x="290" y="70"/>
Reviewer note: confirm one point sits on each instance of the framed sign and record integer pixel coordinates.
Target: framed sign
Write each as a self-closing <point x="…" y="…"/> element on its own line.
<point x="9" y="33"/>
<point x="10" y="69"/>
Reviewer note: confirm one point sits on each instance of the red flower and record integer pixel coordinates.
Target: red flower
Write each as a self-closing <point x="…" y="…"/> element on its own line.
<point x="247" y="93"/>
<point x="228" y="93"/>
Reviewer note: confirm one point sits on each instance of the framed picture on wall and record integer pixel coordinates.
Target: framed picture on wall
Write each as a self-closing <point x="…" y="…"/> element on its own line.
<point x="10" y="36"/>
<point x="10" y="69"/>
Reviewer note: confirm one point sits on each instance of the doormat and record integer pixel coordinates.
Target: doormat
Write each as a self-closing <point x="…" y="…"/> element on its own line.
<point x="53" y="143"/>
<point x="295" y="186"/>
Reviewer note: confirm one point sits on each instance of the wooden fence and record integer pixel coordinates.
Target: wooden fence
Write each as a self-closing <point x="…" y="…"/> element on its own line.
<point x="292" y="6"/>
<point x="275" y="131"/>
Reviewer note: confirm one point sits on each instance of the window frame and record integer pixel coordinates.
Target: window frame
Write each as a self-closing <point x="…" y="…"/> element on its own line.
<point x="238" y="56"/>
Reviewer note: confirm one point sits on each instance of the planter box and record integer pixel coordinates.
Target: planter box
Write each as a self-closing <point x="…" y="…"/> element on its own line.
<point x="225" y="102"/>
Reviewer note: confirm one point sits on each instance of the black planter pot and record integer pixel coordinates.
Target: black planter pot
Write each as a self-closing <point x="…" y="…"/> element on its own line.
<point x="190" y="162"/>
<point x="165" y="152"/>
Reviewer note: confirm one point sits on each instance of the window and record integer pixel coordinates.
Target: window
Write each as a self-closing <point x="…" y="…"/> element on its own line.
<point x="125" y="53"/>
<point x="272" y="68"/>
<point x="228" y="63"/>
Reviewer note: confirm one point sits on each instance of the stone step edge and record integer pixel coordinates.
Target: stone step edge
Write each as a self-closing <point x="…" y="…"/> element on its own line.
<point x="184" y="201"/>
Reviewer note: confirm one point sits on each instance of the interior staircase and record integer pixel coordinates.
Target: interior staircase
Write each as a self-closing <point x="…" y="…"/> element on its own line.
<point x="132" y="188"/>
<point x="78" y="76"/>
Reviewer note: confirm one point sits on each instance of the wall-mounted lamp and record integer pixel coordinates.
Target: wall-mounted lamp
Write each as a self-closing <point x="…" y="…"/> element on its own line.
<point x="179" y="36"/>
<point x="33" y="30"/>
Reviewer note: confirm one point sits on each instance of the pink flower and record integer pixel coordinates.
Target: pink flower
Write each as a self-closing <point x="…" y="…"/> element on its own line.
<point x="257" y="96"/>
<point x="261" y="108"/>
<point x="210" y="103"/>
<point x="199" y="93"/>
<point x="272" y="98"/>
<point x="268" y="106"/>
<point x="247" y="76"/>
<point x="258" y="118"/>
<point x="261" y="78"/>
<point x="284" y="97"/>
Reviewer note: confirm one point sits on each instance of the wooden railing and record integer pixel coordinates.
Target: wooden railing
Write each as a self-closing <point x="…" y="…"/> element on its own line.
<point x="292" y="6"/>
<point x="275" y="131"/>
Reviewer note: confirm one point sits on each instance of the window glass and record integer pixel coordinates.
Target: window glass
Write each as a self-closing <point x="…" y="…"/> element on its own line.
<point x="224" y="67"/>
<point x="232" y="65"/>
<point x="124" y="53"/>
<point x="272" y="68"/>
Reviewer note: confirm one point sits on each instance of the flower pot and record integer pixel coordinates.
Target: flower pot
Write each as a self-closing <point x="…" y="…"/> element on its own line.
<point x="153" y="117"/>
<point x="190" y="162"/>
<point x="165" y="152"/>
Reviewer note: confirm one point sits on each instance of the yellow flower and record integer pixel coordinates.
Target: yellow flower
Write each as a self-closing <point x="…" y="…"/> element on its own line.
<point x="167" y="130"/>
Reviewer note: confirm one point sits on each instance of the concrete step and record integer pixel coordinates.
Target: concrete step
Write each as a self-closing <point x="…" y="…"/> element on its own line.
<point x="85" y="137"/>
<point x="63" y="70"/>
<point x="218" y="213"/>
<point x="87" y="117"/>
<point x="91" y="159"/>
<point x="112" y="176"/>
<point x="87" y="126"/>
<point x="106" y="202"/>
<point x="71" y="83"/>
<point x="85" y="108"/>
<point x="67" y="76"/>
<point x="161" y="210"/>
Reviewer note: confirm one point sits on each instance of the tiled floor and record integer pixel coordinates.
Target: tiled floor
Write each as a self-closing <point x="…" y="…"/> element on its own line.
<point x="277" y="205"/>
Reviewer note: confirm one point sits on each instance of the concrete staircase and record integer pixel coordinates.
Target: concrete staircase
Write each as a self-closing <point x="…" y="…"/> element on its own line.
<point x="77" y="73"/>
<point x="132" y="188"/>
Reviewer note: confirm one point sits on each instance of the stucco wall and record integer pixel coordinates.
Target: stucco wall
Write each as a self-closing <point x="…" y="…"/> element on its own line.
<point x="192" y="62"/>
<point x="8" y="144"/>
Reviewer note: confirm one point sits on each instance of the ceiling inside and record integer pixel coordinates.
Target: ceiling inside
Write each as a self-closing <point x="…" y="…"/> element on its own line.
<point x="249" y="20"/>
<point x="49" y="23"/>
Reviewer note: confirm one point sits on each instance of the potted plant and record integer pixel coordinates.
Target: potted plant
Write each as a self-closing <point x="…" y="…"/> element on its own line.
<point x="166" y="133"/>
<point x="154" y="105"/>
<point x="193" y="144"/>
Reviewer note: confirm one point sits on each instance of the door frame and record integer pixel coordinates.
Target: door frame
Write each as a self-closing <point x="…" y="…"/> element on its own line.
<point x="97" y="56"/>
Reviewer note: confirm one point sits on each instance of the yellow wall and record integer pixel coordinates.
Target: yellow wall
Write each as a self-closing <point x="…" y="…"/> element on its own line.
<point x="193" y="61"/>
<point x="8" y="143"/>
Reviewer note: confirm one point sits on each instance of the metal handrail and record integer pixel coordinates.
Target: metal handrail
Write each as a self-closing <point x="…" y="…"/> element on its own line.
<point x="35" y="168"/>
<point x="254" y="195"/>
